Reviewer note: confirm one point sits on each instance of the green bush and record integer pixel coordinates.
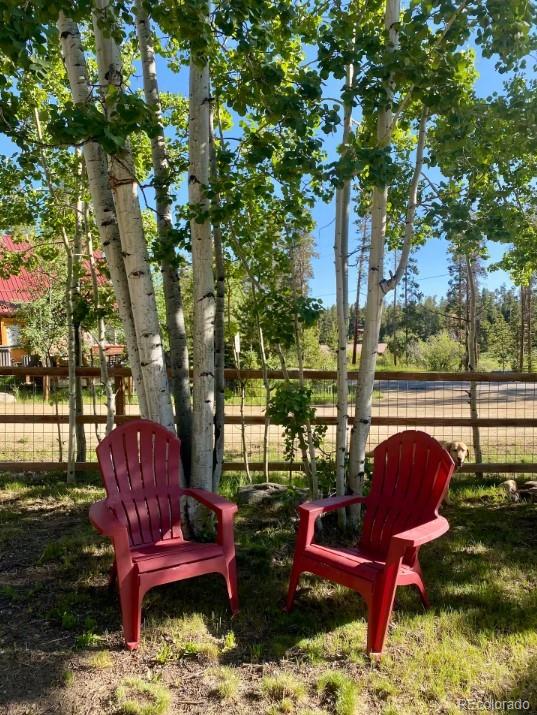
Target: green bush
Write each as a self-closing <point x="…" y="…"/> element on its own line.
<point x="441" y="353"/>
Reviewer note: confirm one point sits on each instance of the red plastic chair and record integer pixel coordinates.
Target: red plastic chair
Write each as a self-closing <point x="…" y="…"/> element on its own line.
<point x="139" y="463"/>
<point x="411" y="476"/>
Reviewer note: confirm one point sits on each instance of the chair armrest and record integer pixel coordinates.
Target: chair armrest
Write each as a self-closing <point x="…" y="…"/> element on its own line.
<point x="321" y="506"/>
<point x="104" y="519"/>
<point x="212" y="501"/>
<point x="311" y="510"/>
<point x="422" y="534"/>
<point x="225" y="512"/>
<point x="413" y="538"/>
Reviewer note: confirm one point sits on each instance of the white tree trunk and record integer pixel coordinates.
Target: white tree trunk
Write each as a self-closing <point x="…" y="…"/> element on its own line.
<point x="375" y="287"/>
<point x="71" y="359"/>
<point x="106" y="382"/>
<point x="368" y="355"/>
<point x="219" y="324"/>
<point x="473" y="356"/>
<point x="134" y="248"/>
<point x="102" y="200"/>
<point x="175" y="319"/>
<point x="203" y="277"/>
<point x="70" y="288"/>
<point x="376" y="290"/>
<point x="341" y="251"/>
<point x="80" y="427"/>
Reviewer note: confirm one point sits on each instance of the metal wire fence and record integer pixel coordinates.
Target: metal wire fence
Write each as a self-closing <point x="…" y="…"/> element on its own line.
<point x="34" y="414"/>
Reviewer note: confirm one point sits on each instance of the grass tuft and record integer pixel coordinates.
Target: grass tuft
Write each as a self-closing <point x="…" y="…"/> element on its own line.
<point x="137" y="697"/>
<point x="101" y="660"/>
<point x="284" y="687"/>
<point x="227" y="683"/>
<point x="341" y="692"/>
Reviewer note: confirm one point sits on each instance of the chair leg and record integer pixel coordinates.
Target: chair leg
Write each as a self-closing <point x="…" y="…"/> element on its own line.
<point x="232" y="588"/>
<point x="293" y="583"/>
<point x="420" y="585"/>
<point x="131" y="612"/>
<point x="423" y="593"/>
<point x="380" y="611"/>
<point x="377" y="627"/>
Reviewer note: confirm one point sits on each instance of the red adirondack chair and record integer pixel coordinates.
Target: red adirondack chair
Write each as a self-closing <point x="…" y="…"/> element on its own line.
<point x="141" y="514"/>
<point x="411" y="475"/>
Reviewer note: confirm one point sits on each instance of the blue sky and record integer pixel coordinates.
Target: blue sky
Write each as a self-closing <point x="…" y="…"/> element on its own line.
<point x="432" y="258"/>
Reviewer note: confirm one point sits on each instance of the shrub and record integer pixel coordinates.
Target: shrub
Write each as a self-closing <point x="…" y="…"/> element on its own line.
<point x="441" y="353"/>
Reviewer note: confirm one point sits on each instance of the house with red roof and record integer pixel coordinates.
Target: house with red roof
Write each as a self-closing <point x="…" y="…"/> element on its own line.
<point x="15" y="291"/>
<point x="26" y="285"/>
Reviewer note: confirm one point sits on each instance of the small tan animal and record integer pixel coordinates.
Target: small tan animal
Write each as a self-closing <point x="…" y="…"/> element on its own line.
<point x="458" y="450"/>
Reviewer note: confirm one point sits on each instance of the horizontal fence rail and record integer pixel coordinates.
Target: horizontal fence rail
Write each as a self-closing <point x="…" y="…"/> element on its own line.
<point x="34" y="414"/>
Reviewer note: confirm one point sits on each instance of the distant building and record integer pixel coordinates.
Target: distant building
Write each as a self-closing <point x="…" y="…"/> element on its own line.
<point x="381" y="348"/>
<point x="15" y="291"/>
<point x="28" y="285"/>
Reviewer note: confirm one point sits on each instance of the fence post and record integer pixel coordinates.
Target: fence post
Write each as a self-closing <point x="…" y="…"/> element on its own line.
<point x="119" y="388"/>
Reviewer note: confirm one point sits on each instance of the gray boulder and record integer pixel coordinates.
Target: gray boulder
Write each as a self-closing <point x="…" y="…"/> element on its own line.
<point x="268" y="492"/>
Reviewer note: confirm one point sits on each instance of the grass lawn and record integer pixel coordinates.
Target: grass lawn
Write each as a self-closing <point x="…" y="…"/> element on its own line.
<point x="61" y="648"/>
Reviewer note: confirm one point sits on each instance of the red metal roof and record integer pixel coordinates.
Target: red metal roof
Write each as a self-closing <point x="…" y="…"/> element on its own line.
<point x="28" y="285"/>
<point x="23" y="287"/>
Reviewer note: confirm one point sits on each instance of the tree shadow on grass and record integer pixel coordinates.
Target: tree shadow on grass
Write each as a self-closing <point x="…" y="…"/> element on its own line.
<point x="53" y="587"/>
<point x="48" y="597"/>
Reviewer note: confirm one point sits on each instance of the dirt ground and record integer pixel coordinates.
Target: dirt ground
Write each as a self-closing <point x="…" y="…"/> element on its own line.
<point x="61" y="649"/>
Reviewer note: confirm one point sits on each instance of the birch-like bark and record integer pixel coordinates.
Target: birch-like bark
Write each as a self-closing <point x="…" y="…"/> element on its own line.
<point x="219" y="325"/>
<point x="412" y="205"/>
<point x="341" y="251"/>
<point x="361" y="261"/>
<point x="70" y="288"/>
<point x="102" y="200"/>
<point x="203" y="278"/>
<point x="124" y="187"/>
<point x="173" y="299"/>
<point x="266" y="385"/>
<point x="472" y="356"/>
<point x="375" y="293"/>
<point x="71" y="361"/>
<point x="376" y="290"/>
<point x="106" y="381"/>
<point x="237" y="359"/>
<point x="80" y="427"/>
<point x="264" y="367"/>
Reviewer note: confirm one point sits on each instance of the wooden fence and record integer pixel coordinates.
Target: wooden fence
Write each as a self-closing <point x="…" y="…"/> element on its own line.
<point x="404" y="400"/>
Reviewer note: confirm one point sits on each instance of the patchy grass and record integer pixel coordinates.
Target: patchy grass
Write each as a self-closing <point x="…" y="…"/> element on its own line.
<point x="284" y="686"/>
<point x="100" y="660"/>
<point x="227" y="683"/>
<point x="340" y="692"/>
<point x="137" y="697"/>
<point x="61" y="639"/>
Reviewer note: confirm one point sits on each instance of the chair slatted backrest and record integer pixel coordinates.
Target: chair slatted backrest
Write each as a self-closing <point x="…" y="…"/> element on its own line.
<point x="411" y="475"/>
<point x="140" y="463"/>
